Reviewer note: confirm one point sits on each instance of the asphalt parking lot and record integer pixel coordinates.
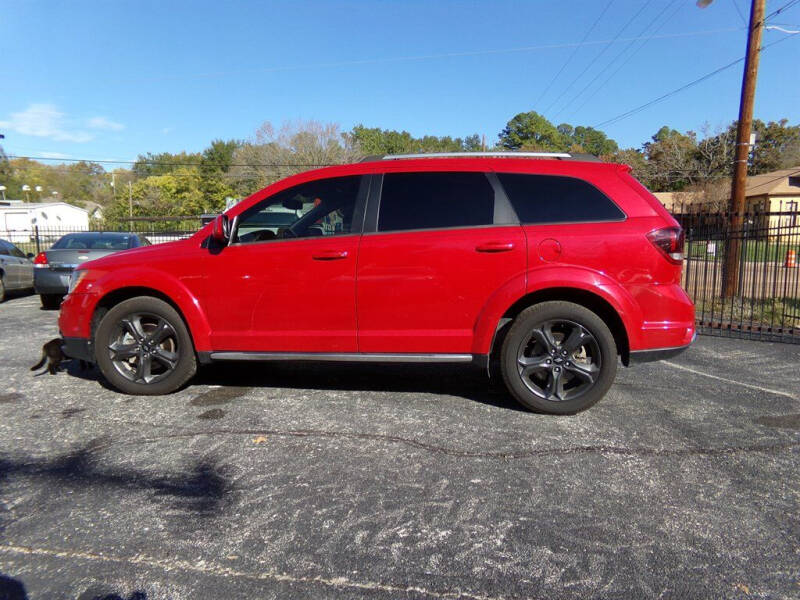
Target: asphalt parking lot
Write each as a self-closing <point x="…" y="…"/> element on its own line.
<point x="276" y="481"/>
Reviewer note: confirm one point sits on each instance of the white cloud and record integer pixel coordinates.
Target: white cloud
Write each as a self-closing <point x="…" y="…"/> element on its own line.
<point x="46" y="121"/>
<point x="105" y="124"/>
<point x="166" y="130"/>
<point x="54" y="155"/>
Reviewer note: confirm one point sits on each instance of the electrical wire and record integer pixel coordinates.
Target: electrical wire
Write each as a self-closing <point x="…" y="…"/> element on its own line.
<point x="624" y="50"/>
<point x="168" y="164"/>
<point x="783" y="8"/>
<point x="598" y="55"/>
<point x="633" y="111"/>
<point x="574" y="51"/>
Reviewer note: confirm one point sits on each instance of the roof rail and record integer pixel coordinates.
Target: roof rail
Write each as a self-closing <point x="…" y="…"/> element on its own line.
<point x="559" y="155"/>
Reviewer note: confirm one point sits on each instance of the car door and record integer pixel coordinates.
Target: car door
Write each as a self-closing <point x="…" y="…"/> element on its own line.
<point x="9" y="265"/>
<point x="286" y="281"/>
<point x="24" y="267"/>
<point x="439" y="246"/>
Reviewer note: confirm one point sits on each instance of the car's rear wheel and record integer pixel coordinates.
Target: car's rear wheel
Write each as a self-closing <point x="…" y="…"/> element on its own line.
<point x="2" y="288"/>
<point x="559" y="358"/>
<point x="51" y="301"/>
<point x="142" y="346"/>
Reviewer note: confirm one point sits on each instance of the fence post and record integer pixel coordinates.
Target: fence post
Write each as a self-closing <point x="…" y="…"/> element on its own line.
<point x="36" y="234"/>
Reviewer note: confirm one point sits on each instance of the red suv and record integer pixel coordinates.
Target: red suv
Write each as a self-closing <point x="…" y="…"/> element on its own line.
<point x="550" y="268"/>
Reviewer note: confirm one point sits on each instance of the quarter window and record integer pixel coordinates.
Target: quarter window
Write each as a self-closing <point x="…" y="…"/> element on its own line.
<point x="556" y="199"/>
<point x="435" y="200"/>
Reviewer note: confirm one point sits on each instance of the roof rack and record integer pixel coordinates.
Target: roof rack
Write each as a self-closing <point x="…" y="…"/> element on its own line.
<point x="556" y="155"/>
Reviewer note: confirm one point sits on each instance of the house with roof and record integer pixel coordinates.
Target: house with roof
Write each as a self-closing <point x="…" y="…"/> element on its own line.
<point x="776" y="193"/>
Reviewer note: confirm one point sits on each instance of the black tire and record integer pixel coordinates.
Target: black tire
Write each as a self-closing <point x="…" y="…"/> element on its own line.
<point x="143" y="347"/>
<point x="544" y="369"/>
<point x="51" y="301"/>
<point x="2" y="289"/>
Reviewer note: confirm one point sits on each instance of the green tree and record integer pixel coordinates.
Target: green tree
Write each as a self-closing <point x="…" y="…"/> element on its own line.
<point x="373" y="141"/>
<point x="532" y="131"/>
<point x="164" y="162"/>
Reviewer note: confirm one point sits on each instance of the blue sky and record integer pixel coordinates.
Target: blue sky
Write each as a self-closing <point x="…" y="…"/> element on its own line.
<point x="113" y="79"/>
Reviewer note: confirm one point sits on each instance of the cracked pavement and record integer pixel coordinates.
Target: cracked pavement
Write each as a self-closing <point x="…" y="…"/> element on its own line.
<point x="351" y="481"/>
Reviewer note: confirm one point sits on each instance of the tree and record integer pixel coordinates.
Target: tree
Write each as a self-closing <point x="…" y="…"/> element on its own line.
<point x="531" y="131"/>
<point x="163" y="162"/>
<point x="295" y="147"/>
<point x="777" y="146"/>
<point x="373" y="141"/>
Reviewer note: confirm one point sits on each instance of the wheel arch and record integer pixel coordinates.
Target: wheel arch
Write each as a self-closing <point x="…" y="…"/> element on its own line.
<point x="115" y="296"/>
<point x="594" y="302"/>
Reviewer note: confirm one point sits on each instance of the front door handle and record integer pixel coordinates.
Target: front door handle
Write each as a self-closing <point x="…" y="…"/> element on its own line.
<point x="495" y="247"/>
<point x="330" y="255"/>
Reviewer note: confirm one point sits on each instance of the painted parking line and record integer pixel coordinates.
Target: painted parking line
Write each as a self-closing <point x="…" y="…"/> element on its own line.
<point x="733" y="381"/>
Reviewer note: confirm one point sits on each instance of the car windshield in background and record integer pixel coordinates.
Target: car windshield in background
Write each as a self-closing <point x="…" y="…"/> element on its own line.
<point x="93" y="241"/>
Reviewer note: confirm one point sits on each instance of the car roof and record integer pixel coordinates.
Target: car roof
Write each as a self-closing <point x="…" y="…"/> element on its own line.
<point x="104" y="233"/>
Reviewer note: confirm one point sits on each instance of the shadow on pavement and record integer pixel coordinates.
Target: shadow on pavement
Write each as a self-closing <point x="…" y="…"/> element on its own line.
<point x="453" y="380"/>
<point x="202" y="489"/>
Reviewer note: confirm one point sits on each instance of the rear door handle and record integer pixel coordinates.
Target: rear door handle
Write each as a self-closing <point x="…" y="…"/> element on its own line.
<point x="495" y="247"/>
<point x="330" y="255"/>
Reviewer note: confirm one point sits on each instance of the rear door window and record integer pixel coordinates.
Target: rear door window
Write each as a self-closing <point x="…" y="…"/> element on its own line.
<point x="435" y="201"/>
<point x="541" y="199"/>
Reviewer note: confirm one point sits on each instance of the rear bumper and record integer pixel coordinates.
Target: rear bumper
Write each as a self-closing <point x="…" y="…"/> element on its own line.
<point x="645" y="356"/>
<point x="48" y="281"/>
<point x="79" y="348"/>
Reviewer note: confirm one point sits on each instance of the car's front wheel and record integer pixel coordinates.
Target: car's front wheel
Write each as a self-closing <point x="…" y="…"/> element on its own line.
<point x="142" y="346"/>
<point x="558" y="357"/>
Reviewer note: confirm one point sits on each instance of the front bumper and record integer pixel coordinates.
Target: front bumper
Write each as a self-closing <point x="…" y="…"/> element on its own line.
<point x="51" y="281"/>
<point x="79" y="348"/>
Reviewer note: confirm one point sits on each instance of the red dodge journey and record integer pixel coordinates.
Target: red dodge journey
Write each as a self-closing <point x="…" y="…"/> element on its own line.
<point x="542" y="267"/>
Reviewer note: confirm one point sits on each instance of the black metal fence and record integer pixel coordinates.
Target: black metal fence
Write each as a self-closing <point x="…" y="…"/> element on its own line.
<point x="766" y="303"/>
<point x="36" y="239"/>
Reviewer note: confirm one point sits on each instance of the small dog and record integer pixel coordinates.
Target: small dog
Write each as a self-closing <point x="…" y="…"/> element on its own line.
<point x="52" y="354"/>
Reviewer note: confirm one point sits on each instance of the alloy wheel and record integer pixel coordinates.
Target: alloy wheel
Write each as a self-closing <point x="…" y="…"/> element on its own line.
<point x="559" y="361"/>
<point x="144" y="347"/>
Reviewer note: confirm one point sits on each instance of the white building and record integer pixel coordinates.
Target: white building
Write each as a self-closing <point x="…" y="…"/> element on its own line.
<point x="18" y="218"/>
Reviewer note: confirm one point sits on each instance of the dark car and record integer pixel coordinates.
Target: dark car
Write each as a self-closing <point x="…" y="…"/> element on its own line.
<point x="53" y="267"/>
<point x="16" y="269"/>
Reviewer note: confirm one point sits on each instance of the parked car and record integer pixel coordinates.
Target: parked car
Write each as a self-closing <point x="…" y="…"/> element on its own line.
<point x="549" y="269"/>
<point x="16" y="269"/>
<point x="54" y="266"/>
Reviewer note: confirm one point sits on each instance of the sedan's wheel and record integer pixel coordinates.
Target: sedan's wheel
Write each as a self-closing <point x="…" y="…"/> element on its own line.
<point x="51" y="301"/>
<point x="2" y="289"/>
<point x="142" y="346"/>
<point x="559" y="358"/>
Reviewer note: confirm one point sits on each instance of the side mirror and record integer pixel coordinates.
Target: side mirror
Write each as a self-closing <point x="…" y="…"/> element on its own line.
<point x="221" y="229"/>
<point x="30" y="255"/>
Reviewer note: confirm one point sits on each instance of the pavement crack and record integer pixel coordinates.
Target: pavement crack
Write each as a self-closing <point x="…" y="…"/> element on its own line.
<point x="203" y="567"/>
<point x="501" y="455"/>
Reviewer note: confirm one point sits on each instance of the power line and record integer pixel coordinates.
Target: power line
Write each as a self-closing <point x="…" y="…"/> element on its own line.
<point x="739" y="10"/>
<point x="633" y="111"/>
<point x="625" y="62"/>
<point x="597" y="56"/>
<point x="169" y="164"/>
<point x="624" y="50"/>
<point x="574" y="51"/>
<point x="783" y="8"/>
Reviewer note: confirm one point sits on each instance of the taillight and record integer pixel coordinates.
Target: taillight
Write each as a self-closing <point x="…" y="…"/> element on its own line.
<point x="40" y="261"/>
<point x="670" y="241"/>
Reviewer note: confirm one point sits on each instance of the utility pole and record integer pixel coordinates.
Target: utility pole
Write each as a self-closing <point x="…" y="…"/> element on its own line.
<point x="130" y="204"/>
<point x="733" y="247"/>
